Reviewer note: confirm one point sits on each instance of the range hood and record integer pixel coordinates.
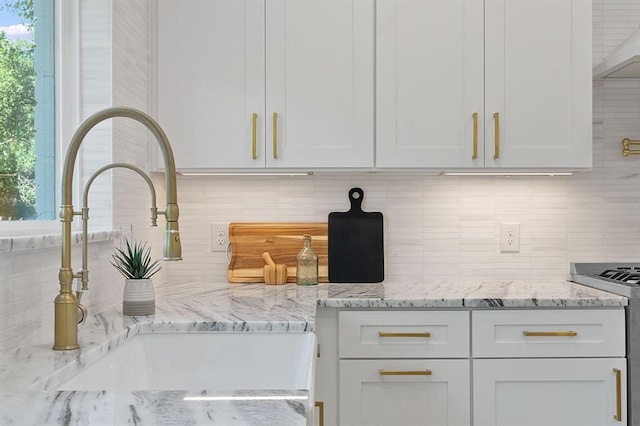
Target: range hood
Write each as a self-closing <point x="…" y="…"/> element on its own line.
<point x="624" y="62"/>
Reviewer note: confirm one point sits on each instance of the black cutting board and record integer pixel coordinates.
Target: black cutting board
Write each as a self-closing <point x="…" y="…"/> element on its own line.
<point x="355" y="243"/>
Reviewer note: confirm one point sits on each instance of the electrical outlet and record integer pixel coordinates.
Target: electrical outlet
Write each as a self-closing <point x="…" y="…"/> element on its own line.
<point x="509" y="237"/>
<point x="219" y="236"/>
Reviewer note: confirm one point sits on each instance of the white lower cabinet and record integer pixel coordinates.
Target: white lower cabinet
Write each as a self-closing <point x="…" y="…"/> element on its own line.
<point x="326" y="380"/>
<point x="404" y="392"/>
<point x="549" y="392"/>
<point x="479" y="367"/>
<point x="404" y="368"/>
<point x="549" y="367"/>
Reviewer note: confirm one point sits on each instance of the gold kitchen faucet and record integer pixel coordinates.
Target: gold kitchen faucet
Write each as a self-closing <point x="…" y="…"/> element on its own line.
<point x="67" y="303"/>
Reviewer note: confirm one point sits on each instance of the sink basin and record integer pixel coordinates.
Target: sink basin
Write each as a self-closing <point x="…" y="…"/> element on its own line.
<point x="215" y="361"/>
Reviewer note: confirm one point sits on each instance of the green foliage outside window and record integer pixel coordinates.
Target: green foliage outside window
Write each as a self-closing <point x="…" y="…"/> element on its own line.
<point x="17" y="128"/>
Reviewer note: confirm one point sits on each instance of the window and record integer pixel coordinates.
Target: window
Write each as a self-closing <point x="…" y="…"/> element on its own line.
<point x="27" y="114"/>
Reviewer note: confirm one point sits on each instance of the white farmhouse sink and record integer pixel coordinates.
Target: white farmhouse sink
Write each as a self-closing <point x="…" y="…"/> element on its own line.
<point x="203" y="361"/>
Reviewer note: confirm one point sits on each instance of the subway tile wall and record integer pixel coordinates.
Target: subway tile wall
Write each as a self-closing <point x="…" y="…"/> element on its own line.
<point x="437" y="228"/>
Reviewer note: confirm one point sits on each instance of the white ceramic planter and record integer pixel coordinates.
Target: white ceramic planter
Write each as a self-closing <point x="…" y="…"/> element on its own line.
<point x="138" y="298"/>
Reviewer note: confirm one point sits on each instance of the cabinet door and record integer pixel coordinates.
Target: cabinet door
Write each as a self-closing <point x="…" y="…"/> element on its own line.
<point x="320" y="83"/>
<point x="429" y="63"/>
<point x="211" y="81"/>
<point x="549" y="392"/>
<point x="538" y="79"/>
<point x="326" y="374"/>
<point x="370" y="398"/>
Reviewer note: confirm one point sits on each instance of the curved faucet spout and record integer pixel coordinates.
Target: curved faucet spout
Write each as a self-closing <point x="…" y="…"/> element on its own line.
<point x="172" y="247"/>
<point x="84" y="273"/>
<point x="66" y="303"/>
<point x="100" y="116"/>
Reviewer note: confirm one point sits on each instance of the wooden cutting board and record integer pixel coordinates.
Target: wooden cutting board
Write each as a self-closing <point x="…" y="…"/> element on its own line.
<point x="283" y="241"/>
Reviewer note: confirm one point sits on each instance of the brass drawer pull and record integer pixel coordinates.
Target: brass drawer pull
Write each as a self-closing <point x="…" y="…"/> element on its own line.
<point x="254" y="119"/>
<point x="384" y="334"/>
<point x="550" y="333"/>
<point x="275" y="135"/>
<point x="618" y="415"/>
<point x="405" y="372"/>
<point x="496" y="154"/>
<point x="320" y="405"/>
<point x="475" y="136"/>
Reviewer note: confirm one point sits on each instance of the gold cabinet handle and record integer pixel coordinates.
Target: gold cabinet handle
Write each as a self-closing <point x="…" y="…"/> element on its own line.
<point x="496" y="119"/>
<point x="384" y="334"/>
<point x="405" y="372"/>
<point x="475" y="136"/>
<point x="275" y="135"/>
<point x="550" y="333"/>
<point x="254" y="120"/>
<point x="626" y="147"/>
<point x="320" y="406"/>
<point x="618" y="415"/>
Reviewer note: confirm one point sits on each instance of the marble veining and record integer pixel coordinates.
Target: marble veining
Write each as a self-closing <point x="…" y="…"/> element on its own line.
<point x="485" y="294"/>
<point x="29" y="375"/>
<point x="155" y="408"/>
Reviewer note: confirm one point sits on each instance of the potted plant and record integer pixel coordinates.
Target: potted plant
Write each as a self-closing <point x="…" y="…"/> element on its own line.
<point x="134" y="262"/>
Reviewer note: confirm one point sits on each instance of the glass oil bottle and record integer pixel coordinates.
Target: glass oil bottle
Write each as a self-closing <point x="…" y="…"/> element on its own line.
<point x="307" y="264"/>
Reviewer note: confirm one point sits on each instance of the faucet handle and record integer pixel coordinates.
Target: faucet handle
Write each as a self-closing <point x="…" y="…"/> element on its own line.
<point x="83" y="313"/>
<point x="172" y="247"/>
<point x="154" y="216"/>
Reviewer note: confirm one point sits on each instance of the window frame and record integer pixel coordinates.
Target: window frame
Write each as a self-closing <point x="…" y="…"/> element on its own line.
<point x="67" y="111"/>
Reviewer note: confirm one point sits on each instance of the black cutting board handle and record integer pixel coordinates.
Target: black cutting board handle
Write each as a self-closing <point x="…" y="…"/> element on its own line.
<point x="355" y="196"/>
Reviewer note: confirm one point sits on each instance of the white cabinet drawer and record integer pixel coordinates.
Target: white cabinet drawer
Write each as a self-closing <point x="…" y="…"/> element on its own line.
<point x="549" y="333"/>
<point x="403" y="334"/>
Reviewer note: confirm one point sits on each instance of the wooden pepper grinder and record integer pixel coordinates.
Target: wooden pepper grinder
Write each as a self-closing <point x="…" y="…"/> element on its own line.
<point x="273" y="273"/>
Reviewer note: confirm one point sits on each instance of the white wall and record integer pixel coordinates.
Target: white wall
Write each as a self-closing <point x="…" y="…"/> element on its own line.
<point x="437" y="227"/>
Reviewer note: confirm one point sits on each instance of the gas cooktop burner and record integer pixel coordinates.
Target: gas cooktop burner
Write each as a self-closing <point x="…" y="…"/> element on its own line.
<point x="628" y="275"/>
<point x="621" y="278"/>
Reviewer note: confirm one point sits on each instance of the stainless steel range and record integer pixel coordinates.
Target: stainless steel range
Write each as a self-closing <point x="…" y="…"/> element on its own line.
<point x="622" y="279"/>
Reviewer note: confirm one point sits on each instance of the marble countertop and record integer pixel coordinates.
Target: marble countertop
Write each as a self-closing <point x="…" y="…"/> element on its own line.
<point x="30" y="375"/>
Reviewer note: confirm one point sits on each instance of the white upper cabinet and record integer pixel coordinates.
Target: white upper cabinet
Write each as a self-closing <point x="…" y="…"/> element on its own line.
<point x="459" y="84"/>
<point x="211" y="81"/>
<point x="429" y="83"/>
<point x="245" y="84"/>
<point x="523" y="67"/>
<point x="320" y="82"/>
<point x="538" y="78"/>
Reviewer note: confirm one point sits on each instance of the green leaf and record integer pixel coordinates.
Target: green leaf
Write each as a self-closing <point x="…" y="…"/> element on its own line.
<point x="134" y="261"/>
